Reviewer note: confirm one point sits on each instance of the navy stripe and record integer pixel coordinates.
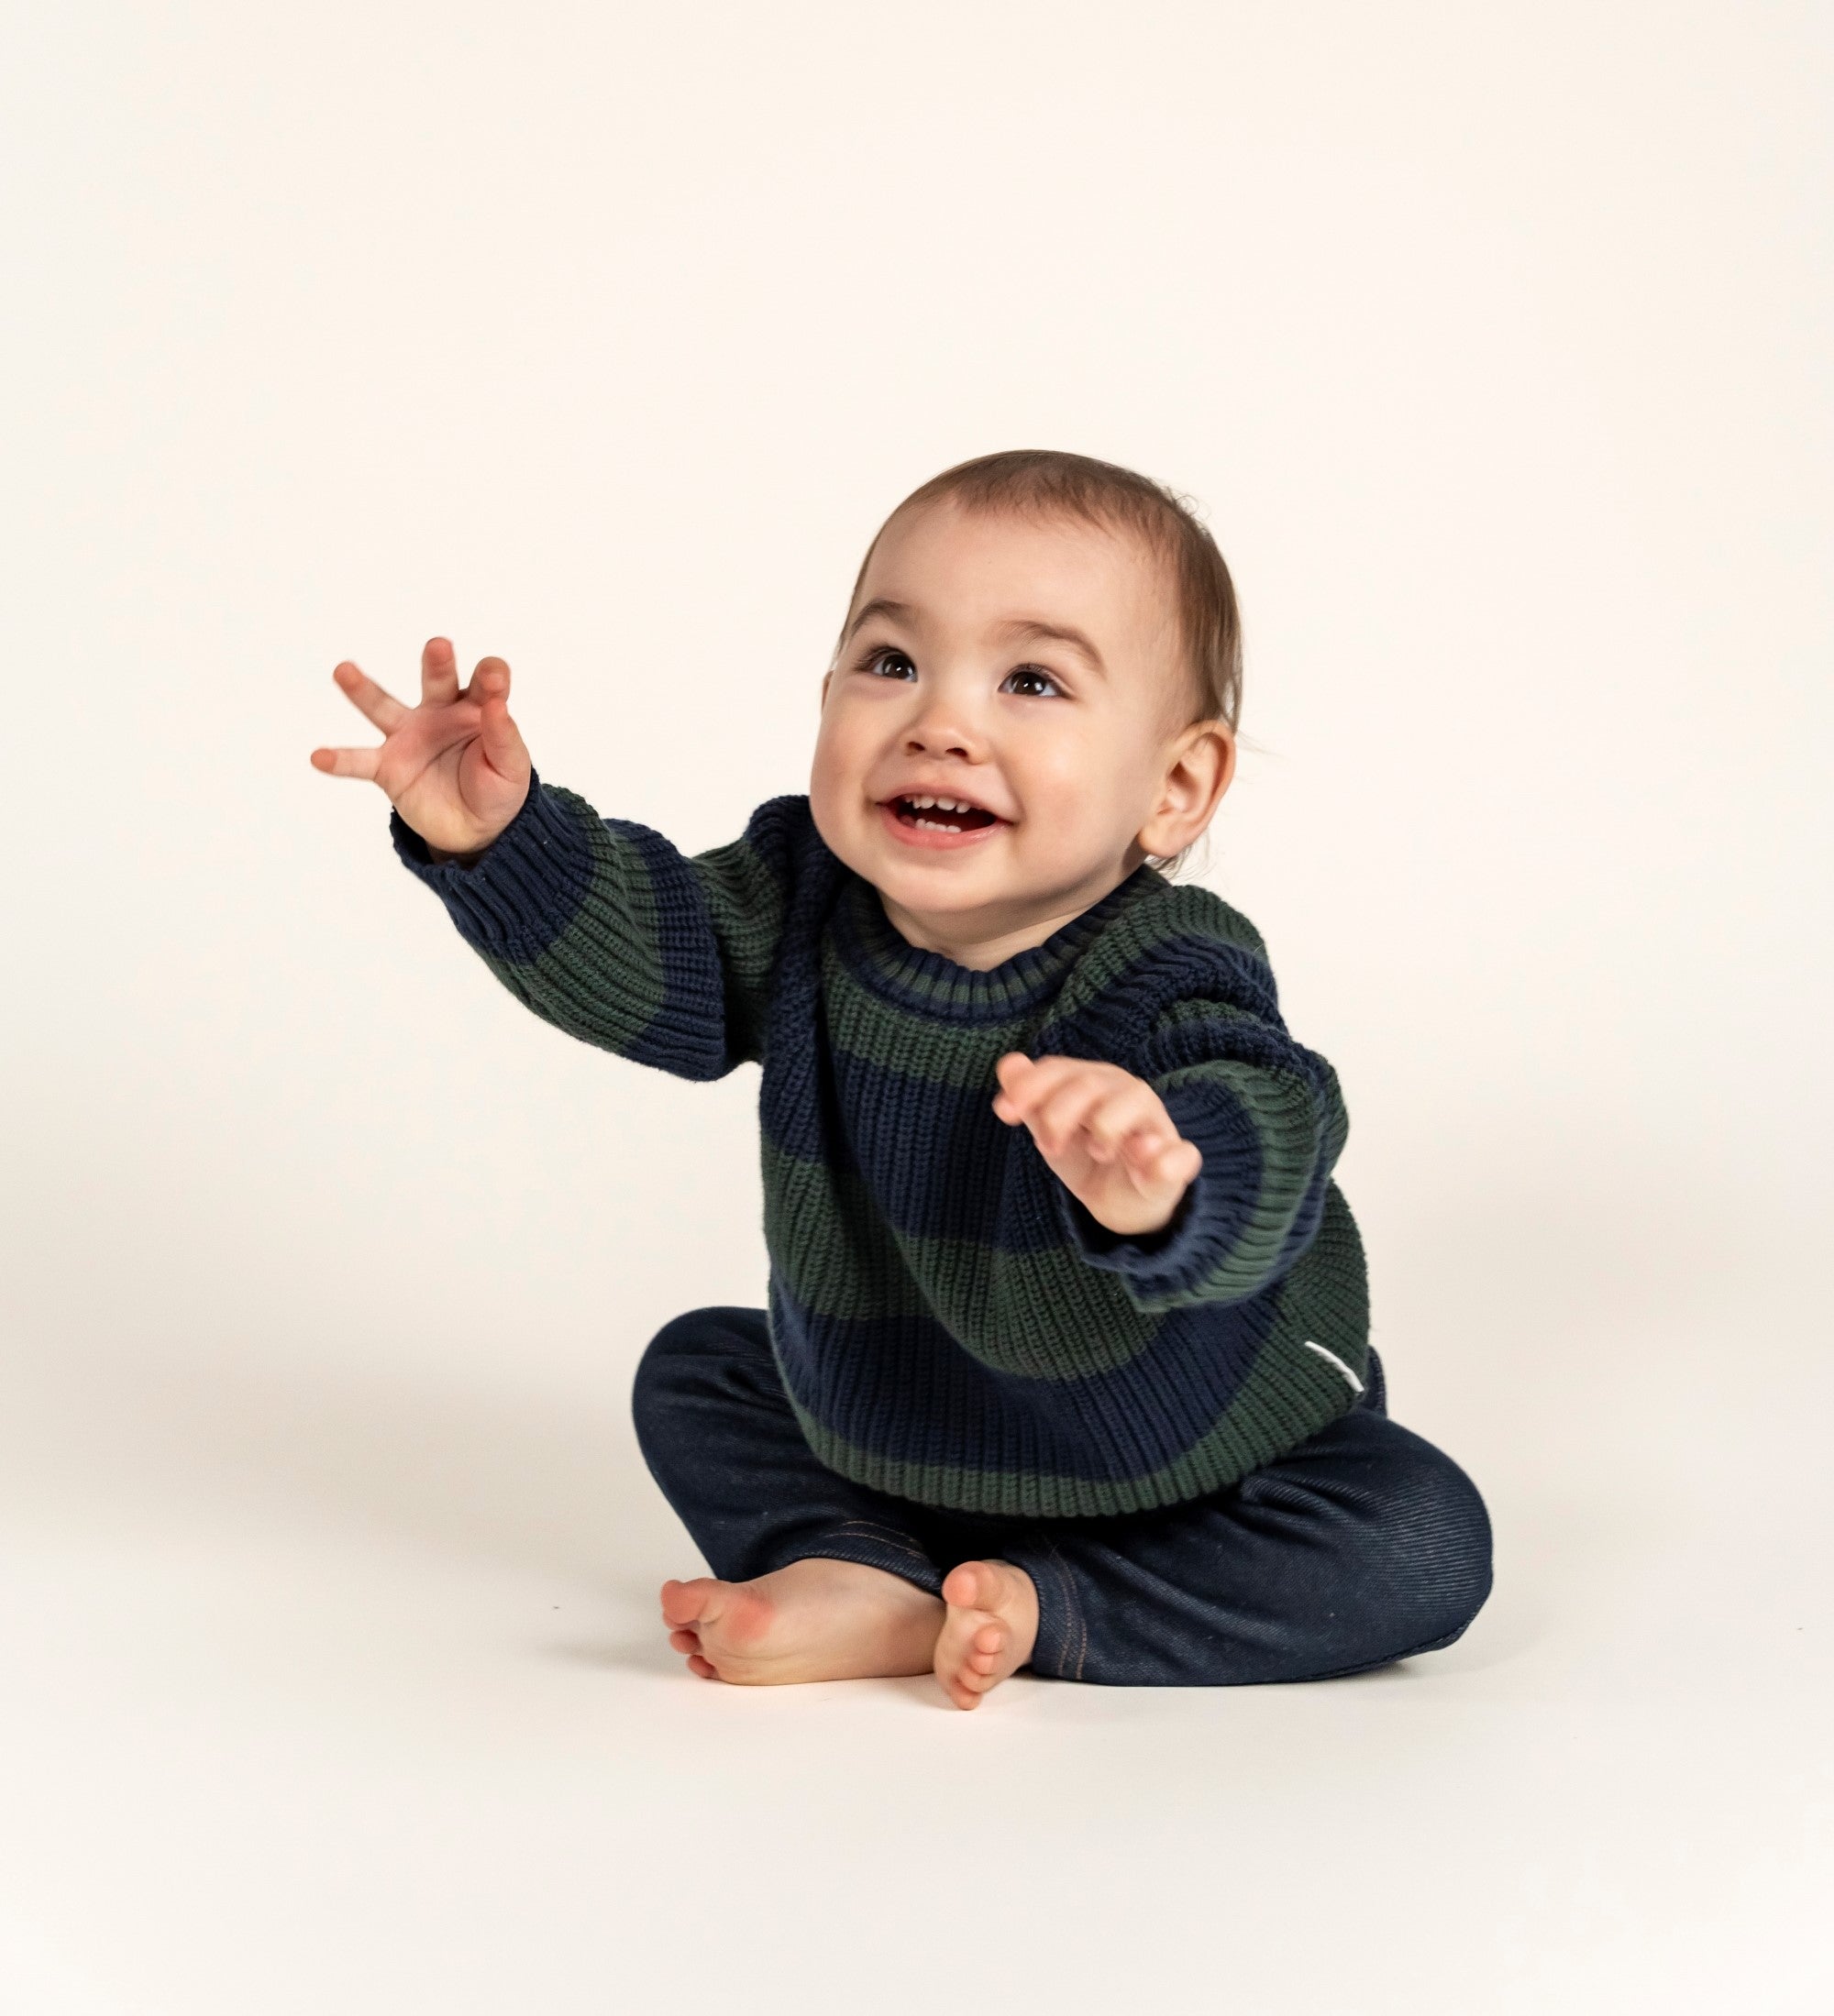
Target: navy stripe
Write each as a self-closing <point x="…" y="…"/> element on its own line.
<point x="941" y="1163"/>
<point x="903" y="1389"/>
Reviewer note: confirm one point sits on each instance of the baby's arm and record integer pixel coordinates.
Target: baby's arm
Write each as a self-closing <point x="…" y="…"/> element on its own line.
<point x="1266" y="1118"/>
<point x="600" y="926"/>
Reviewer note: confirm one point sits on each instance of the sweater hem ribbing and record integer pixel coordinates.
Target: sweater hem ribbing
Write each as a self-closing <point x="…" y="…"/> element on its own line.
<point x="1288" y="1398"/>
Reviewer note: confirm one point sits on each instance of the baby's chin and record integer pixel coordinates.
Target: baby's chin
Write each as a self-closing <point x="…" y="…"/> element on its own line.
<point x="996" y="890"/>
<point x="957" y="891"/>
<point x="984" y="864"/>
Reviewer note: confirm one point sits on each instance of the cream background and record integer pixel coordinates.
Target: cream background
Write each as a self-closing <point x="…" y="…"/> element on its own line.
<point x="1495" y="340"/>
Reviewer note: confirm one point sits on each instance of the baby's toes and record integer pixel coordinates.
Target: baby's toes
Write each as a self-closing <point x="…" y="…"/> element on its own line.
<point x="985" y="1651"/>
<point x="987" y="1634"/>
<point x="956" y="1685"/>
<point x="684" y="1641"/>
<point x="965" y="1668"/>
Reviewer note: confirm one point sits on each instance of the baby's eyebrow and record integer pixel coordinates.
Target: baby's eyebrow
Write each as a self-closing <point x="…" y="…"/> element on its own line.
<point x="880" y="605"/>
<point x="1035" y="631"/>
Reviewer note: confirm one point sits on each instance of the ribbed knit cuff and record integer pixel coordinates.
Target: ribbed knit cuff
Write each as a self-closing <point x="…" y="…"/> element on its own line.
<point x="520" y="894"/>
<point x="1211" y="1216"/>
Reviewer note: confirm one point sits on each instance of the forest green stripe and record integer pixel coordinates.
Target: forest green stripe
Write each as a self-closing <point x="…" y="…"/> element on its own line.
<point x="830" y="1243"/>
<point x="1193" y="915"/>
<point x="746" y="903"/>
<point x="897" y="1039"/>
<point x="601" y="979"/>
<point x="1175" y="1014"/>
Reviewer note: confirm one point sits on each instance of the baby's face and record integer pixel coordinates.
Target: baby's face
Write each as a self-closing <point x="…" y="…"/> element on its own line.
<point x="1030" y="668"/>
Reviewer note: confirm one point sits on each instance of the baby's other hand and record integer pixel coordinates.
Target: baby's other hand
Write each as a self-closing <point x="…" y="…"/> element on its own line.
<point x="454" y="767"/>
<point x="1105" y="1134"/>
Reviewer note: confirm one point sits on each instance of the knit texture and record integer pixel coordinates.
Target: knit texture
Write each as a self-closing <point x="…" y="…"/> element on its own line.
<point x="952" y="1325"/>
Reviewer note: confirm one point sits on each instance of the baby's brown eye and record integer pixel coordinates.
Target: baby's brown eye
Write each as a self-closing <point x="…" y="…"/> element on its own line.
<point x="889" y="660"/>
<point x="1034" y="672"/>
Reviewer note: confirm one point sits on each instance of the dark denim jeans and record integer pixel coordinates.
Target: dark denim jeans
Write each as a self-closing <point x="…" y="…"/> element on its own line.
<point x="1362" y="1545"/>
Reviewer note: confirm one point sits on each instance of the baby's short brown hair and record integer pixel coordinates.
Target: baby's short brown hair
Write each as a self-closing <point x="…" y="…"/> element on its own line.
<point x="1044" y="482"/>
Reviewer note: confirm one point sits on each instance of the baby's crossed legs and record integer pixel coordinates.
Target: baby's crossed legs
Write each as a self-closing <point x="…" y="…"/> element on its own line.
<point x="1364" y="1545"/>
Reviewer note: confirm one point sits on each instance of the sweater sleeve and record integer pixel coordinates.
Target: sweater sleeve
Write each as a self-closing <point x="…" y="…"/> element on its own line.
<point x="1269" y="1120"/>
<point x="601" y="927"/>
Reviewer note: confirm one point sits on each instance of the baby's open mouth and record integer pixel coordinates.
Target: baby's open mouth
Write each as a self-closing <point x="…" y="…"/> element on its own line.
<point x="945" y="818"/>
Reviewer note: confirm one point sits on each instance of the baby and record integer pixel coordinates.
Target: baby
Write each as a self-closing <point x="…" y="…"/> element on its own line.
<point x="1064" y="1364"/>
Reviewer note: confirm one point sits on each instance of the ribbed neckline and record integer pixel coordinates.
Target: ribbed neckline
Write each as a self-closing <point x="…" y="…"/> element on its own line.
<point x="930" y="983"/>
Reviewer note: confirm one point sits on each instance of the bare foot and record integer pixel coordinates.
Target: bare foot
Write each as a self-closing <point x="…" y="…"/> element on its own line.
<point x="990" y="1631"/>
<point x="815" y="1620"/>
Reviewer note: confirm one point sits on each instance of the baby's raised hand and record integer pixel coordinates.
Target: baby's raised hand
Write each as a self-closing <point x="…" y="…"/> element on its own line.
<point x="455" y="766"/>
<point x="1105" y="1134"/>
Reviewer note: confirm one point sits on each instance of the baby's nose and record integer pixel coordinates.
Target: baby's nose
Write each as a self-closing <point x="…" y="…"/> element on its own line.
<point x="942" y="744"/>
<point x="943" y="728"/>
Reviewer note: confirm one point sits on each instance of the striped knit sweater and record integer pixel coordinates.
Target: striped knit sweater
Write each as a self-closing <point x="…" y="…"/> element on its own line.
<point x="951" y="1325"/>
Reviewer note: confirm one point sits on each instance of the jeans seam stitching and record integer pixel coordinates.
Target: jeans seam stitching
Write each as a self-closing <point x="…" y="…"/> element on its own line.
<point x="883" y="1537"/>
<point x="1074" y="1611"/>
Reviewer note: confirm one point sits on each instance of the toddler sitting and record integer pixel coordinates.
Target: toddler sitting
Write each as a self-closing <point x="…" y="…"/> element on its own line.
<point x="1065" y="1360"/>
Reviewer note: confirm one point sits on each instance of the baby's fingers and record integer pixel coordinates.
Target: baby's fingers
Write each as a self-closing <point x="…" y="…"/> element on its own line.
<point x="347" y="763"/>
<point x="367" y="698"/>
<point x="1131" y="1112"/>
<point x="1023" y="1081"/>
<point x="438" y="673"/>
<point x="1154" y="1160"/>
<point x="504" y="747"/>
<point x="1061" y="1115"/>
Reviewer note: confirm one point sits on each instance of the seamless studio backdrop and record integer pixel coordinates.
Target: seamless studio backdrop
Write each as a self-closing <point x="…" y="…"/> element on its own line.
<point x="1493" y="342"/>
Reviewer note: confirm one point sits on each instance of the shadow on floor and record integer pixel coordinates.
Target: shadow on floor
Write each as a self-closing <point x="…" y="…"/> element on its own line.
<point x="537" y="1481"/>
